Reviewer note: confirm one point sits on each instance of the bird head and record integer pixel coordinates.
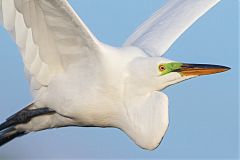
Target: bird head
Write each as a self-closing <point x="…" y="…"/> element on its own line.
<point x="159" y="73"/>
<point x="175" y="72"/>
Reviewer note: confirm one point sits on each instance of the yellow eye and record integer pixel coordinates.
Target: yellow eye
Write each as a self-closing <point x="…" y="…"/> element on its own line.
<point x="162" y="68"/>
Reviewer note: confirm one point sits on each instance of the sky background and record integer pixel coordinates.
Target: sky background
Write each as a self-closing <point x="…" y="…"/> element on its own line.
<point x="203" y="111"/>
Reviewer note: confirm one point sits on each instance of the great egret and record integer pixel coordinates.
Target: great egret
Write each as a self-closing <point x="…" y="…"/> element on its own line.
<point x="76" y="80"/>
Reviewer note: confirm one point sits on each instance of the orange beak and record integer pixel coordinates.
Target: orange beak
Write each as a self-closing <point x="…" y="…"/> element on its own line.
<point x="200" y="69"/>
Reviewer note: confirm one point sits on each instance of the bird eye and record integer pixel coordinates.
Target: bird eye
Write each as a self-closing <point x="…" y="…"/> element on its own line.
<point x="161" y="68"/>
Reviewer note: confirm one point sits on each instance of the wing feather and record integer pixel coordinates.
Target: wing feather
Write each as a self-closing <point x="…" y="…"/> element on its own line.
<point x="49" y="35"/>
<point x="9" y="13"/>
<point x="158" y="33"/>
<point x="21" y="32"/>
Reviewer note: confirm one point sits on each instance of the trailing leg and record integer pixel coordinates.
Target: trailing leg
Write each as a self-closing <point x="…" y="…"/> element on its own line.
<point x="8" y="130"/>
<point x="24" y="116"/>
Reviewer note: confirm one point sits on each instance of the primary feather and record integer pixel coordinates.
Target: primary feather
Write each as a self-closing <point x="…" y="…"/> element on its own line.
<point x="159" y="32"/>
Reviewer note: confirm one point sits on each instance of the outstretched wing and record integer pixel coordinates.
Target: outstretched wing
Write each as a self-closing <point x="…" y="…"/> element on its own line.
<point x="49" y="35"/>
<point x="158" y="33"/>
<point x="147" y="120"/>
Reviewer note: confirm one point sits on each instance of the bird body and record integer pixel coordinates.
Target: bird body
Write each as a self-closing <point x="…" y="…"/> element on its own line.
<point x="76" y="80"/>
<point x="79" y="91"/>
<point x="102" y="97"/>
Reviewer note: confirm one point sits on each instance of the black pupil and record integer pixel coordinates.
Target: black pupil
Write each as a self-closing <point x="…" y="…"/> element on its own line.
<point x="162" y="68"/>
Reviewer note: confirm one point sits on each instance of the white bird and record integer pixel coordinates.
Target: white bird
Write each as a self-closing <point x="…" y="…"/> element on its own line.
<point x="76" y="80"/>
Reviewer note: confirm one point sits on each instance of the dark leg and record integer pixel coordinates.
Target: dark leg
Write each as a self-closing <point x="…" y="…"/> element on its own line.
<point x="8" y="130"/>
<point x="24" y="116"/>
<point x="9" y="134"/>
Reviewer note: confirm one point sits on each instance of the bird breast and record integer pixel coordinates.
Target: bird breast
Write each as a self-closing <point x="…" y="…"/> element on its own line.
<point x="86" y="96"/>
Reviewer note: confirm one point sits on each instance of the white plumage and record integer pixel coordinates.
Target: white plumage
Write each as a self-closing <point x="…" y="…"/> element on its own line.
<point x="88" y="83"/>
<point x="160" y="31"/>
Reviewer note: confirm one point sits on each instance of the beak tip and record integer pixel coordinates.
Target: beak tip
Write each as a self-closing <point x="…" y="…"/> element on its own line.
<point x="224" y="68"/>
<point x="227" y="68"/>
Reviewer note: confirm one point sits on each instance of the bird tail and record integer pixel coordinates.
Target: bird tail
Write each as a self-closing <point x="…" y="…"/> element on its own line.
<point x="8" y="130"/>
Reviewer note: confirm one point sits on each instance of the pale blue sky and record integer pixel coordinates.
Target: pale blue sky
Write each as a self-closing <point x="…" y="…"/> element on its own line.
<point x="203" y="111"/>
